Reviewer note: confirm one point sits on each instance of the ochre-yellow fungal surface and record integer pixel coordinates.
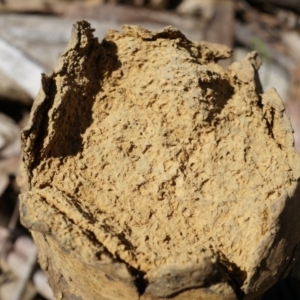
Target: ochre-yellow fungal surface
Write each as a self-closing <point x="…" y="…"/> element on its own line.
<point x="142" y="149"/>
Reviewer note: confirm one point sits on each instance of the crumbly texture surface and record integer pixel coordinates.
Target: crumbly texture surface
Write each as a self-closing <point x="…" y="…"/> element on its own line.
<point x="143" y="149"/>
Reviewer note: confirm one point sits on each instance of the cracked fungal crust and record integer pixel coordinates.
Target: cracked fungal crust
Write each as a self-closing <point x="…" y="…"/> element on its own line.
<point x="143" y="149"/>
